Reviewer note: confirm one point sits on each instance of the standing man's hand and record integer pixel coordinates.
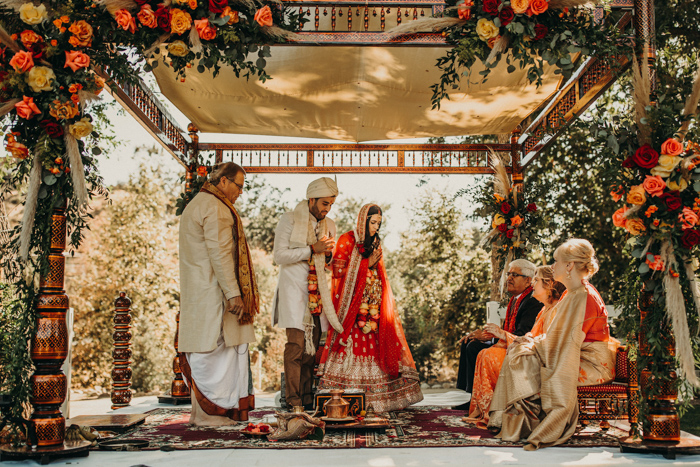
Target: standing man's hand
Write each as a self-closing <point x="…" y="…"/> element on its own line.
<point x="324" y="245"/>
<point x="235" y="306"/>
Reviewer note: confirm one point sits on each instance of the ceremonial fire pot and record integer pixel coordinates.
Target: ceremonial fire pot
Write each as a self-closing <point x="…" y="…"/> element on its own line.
<point x="336" y="406"/>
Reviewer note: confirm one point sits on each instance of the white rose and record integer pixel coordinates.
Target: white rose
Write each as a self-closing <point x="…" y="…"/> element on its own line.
<point x="31" y="14"/>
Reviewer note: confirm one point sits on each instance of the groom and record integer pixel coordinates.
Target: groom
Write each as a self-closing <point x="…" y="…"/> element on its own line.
<point x="303" y="238"/>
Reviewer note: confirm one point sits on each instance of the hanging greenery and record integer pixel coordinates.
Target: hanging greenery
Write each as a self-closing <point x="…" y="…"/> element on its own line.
<point x="527" y="34"/>
<point x="55" y="58"/>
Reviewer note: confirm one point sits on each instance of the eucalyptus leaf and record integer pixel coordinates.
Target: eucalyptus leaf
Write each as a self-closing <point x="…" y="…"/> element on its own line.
<point x="50" y="179"/>
<point x="643" y="268"/>
<point x="696" y="186"/>
<point x="637" y="252"/>
<point x="43" y="193"/>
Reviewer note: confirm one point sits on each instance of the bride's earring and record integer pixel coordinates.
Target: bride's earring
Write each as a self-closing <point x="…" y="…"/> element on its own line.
<point x="568" y="274"/>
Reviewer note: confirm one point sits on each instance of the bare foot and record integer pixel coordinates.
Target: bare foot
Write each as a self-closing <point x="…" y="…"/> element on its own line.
<point x="199" y="417"/>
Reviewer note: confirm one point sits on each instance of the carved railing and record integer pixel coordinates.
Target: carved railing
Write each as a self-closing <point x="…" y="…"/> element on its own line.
<point x="357" y="158"/>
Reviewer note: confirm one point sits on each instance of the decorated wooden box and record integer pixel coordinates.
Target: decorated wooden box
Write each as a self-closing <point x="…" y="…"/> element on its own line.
<point x="355" y="398"/>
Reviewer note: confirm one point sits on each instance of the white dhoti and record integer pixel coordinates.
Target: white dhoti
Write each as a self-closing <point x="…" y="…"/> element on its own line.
<point x="220" y="380"/>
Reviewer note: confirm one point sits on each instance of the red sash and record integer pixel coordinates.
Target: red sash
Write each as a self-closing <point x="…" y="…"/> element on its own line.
<point x="512" y="313"/>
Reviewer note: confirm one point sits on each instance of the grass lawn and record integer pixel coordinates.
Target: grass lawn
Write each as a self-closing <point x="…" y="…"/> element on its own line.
<point x="691" y="420"/>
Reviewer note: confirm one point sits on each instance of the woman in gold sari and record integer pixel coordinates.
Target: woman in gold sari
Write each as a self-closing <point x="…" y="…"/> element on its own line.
<point x="536" y="394"/>
<point x="488" y="364"/>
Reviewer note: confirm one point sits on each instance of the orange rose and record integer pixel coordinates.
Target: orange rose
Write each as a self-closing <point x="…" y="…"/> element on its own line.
<point x="29" y="38"/>
<point x="537" y="7"/>
<point x="180" y="21"/>
<point x="233" y="15"/>
<point x="100" y="82"/>
<point x="76" y="60"/>
<point x="202" y="171"/>
<point x="617" y="193"/>
<point x="22" y="61"/>
<point x="688" y="218"/>
<point x="73" y="88"/>
<point x="63" y="110"/>
<point x="635" y="226"/>
<point x="516" y="221"/>
<point x="519" y="6"/>
<point x="147" y="16"/>
<point x="263" y="16"/>
<point x="654" y="185"/>
<point x="464" y="10"/>
<point x="17" y="150"/>
<point x="192" y="4"/>
<point x="618" y="218"/>
<point x="205" y="30"/>
<point x="27" y="108"/>
<point x="58" y="23"/>
<point x="125" y="20"/>
<point x="82" y="34"/>
<point x="657" y="264"/>
<point x="636" y="195"/>
<point x="671" y="147"/>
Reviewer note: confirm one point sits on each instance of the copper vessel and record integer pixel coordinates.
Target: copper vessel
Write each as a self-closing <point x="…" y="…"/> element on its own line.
<point x="336" y="406"/>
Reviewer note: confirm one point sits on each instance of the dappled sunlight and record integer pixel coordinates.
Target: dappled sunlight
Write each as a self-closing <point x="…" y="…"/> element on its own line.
<point x="498" y="457"/>
<point x="600" y="458"/>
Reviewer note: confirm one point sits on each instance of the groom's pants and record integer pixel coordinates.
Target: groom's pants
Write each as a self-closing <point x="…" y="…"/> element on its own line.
<point x="299" y="366"/>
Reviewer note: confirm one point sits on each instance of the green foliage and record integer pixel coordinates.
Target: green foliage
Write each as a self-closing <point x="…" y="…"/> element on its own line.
<point x="445" y="282"/>
<point x="261" y="206"/>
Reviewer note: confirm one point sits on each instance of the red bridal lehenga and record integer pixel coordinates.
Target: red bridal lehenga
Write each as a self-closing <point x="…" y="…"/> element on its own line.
<point x="372" y="354"/>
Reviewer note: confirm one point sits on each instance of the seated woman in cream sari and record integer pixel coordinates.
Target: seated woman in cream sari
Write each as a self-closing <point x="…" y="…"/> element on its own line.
<point x="536" y="394"/>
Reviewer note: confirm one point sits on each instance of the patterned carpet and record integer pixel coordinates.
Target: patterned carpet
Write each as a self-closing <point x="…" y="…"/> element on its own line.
<point x="427" y="426"/>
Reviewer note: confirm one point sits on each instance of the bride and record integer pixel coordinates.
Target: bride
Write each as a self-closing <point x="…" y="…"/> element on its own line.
<point x="371" y="354"/>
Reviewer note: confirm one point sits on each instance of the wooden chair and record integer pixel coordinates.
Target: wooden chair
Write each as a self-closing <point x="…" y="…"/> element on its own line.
<point x="609" y="401"/>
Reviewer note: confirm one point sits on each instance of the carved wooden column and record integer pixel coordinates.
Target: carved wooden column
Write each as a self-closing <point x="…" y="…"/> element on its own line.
<point x="121" y="373"/>
<point x="49" y="346"/>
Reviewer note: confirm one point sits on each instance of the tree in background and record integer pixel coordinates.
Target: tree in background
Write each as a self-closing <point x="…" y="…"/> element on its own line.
<point x="133" y="248"/>
<point x="444" y="283"/>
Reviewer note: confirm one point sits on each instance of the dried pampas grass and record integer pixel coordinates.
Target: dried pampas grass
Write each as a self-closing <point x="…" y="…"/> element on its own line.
<point x="498" y="48"/>
<point x="160" y="41"/>
<point x="501" y="180"/>
<point x="77" y="170"/>
<point x="561" y="4"/>
<point x="8" y="106"/>
<point x="12" y="4"/>
<point x="676" y="315"/>
<point x="195" y="41"/>
<point x="691" y="106"/>
<point x="693" y="289"/>
<point x="6" y="39"/>
<point x="87" y="97"/>
<point x="642" y="99"/>
<point x="280" y="33"/>
<point x="30" y="209"/>
<point x="114" y="5"/>
<point x="425" y="24"/>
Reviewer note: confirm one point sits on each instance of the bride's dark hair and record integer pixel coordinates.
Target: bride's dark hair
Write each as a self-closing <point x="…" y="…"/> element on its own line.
<point x="371" y="242"/>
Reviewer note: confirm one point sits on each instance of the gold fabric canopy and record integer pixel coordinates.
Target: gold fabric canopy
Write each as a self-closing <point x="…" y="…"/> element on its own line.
<point x="353" y="94"/>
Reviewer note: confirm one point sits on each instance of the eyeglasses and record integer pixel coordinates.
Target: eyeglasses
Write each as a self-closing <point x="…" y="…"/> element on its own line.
<point x="515" y="274"/>
<point x="240" y="187"/>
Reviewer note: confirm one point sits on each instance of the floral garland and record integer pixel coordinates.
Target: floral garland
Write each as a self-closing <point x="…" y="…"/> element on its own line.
<point x="515" y="221"/>
<point x="314" y="304"/>
<point x="55" y="59"/>
<point x="528" y="33"/>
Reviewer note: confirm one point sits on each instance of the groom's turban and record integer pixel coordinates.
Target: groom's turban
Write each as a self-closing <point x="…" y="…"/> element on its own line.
<point x="322" y="188"/>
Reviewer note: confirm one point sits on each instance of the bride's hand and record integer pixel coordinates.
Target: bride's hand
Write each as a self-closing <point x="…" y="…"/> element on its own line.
<point x="375" y="256"/>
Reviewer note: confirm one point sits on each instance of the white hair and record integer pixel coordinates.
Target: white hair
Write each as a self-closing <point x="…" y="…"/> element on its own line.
<point x="525" y="266"/>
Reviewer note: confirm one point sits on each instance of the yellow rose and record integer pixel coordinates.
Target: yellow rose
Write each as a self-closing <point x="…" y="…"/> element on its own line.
<point x="486" y="29"/>
<point x="665" y="166"/>
<point x="31" y="14"/>
<point x="40" y="78"/>
<point x="178" y="48"/>
<point x="498" y="219"/>
<point x="519" y="6"/>
<point x="635" y="226"/>
<point x="180" y="2"/>
<point x="637" y="195"/>
<point x="673" y="186"/>
<point x="81" y="128"/>
<point x="180" y="21"/>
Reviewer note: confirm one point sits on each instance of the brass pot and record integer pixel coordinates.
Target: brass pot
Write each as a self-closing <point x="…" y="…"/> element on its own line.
<point x="336" y="406"/>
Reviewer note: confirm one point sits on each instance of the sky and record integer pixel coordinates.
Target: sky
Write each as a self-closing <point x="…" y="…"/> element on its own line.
<point x="399" y="190"/>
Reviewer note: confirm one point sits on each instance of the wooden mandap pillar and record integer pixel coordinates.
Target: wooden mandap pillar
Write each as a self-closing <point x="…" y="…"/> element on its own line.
<point x="49" y="347"/>
<point x="121" y="372"/>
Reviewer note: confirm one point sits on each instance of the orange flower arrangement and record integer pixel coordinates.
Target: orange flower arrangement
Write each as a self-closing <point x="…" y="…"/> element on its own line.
<point x="205" y="30"/>
<point x="82" y="34"/>
<point x="263" y="16"/>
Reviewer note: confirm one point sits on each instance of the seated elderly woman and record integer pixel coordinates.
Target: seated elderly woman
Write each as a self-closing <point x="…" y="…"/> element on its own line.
<point x="488" y="364"/>
<point x="536" y="393"/>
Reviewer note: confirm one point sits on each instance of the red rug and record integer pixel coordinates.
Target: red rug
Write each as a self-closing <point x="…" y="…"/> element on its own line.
<point x="426" y="426"/>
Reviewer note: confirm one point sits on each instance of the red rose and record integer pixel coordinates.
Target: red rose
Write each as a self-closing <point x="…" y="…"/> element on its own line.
<point x="506" y="16"/>
<point x="532" y="207"/>
<point x="491" y="7"/>
<point x="505" y="207"/>
<point x="540" y="31"/>
<point x="141" y="2"/>
<point x="645" y="157"/>
<point x="502" y="227"/>
<point x="52" y="128"/>
<point x="672" y="200"/>
<point x="163" y="17"/>
<point x="217" y="6"/>
<point x="690" y="238"/>
<point x="510" y="233"/>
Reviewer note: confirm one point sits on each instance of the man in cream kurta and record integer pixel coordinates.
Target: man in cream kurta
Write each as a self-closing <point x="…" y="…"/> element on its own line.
<point x="299" y="235"/>
<point x="213" y="342"/>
